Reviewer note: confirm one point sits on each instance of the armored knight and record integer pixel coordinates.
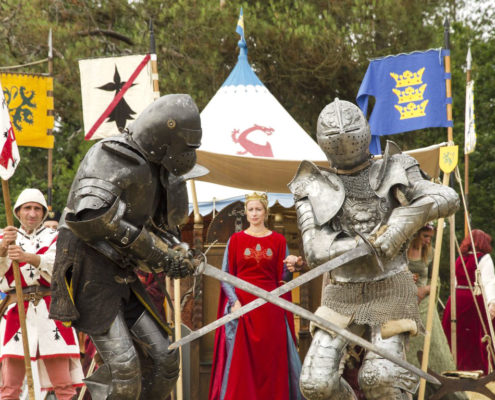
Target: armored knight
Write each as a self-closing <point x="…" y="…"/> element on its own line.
<point x="126" y="201"/>
<point x="360" y="200"/>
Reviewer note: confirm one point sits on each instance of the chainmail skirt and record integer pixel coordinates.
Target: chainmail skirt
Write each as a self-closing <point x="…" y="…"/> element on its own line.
<point x="374" y="303"/>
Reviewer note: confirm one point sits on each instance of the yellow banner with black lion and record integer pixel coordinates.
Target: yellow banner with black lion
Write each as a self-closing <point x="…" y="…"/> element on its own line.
<point x="30" y="101"/>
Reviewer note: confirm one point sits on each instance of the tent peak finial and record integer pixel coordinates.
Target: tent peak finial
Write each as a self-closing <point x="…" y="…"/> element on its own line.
<point x="243" y="48"/>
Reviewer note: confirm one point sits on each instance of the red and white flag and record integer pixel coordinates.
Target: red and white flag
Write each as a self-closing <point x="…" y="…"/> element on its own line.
<point x="9" y="153"/>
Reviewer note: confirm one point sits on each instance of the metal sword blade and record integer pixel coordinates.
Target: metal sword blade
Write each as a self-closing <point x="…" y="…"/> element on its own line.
<point x="216" y="273"/>
<point x="356" y="253"/>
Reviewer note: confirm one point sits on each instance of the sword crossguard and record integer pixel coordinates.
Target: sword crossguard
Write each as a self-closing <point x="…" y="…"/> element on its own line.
<point x="199" y="263"/>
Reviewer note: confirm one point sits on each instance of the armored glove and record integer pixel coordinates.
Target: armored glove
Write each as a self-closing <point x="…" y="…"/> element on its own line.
<point x="389" y="243"/>
<point x="155" y="255"/>
<point x="180" y="262"/>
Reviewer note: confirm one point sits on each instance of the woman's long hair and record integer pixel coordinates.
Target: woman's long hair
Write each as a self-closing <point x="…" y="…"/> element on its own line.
<point x="426" y="250"/>
<point x="482" y="242"/>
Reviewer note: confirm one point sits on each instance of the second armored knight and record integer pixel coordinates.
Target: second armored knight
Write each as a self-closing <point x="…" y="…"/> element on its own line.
<point x="356" y="200"/>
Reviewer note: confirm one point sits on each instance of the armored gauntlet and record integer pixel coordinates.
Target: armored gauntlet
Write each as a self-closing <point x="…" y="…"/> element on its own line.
<point x="156" y="255"/>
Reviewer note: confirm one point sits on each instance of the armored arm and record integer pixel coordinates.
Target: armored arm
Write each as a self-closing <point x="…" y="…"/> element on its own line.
<point x="421" y="201"/>
<point x="319" y="196"/>
<point x="320" y="242"/>
<point x="99" y="216"/>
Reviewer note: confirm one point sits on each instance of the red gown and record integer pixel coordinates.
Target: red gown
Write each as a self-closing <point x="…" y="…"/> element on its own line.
<point x="260" y="363"/>
<point x="471" y="352"/>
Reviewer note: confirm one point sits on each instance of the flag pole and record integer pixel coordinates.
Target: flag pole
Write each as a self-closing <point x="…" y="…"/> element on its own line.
<point x="154" y="63"/>
<point x="438" y="241"/>
<point x="156" y="95"/>
<point x="466" y="154"/>
<point x="50" y="151"/>
<point x="18" y="291"/>
<point x="177" y="310"/>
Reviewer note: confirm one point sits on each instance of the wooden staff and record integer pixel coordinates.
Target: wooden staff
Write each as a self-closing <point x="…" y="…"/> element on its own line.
<point x="453" y="300"/>
<point x="20" y="297"/>
<point x="432" y="299"/>
<point x="198" y="300"/>
<point x="178" y="335"/>
<point x="90" y="371"/>
<point x="438" y="240"/>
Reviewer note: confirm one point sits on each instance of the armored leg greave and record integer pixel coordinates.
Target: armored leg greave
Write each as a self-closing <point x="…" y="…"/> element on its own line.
<point x="162" y="370"/>
<point x="381" y="379"/>
<point x="320" y="376"/>
<point x="119" y="378"/>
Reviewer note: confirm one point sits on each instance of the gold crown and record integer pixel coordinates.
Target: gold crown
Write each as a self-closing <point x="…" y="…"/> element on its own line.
<point x="410" y="94"/>
<point x="408" y="78"/>
<point x="412" y="110"/>
<point x="261" y="197"/>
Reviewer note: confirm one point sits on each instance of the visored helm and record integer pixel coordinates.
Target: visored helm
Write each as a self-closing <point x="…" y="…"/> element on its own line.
<point x="343" y="134"/>
<point x="168" y="131"/>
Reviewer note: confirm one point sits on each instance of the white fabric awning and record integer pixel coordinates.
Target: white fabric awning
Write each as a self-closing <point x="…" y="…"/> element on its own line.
<point x="231" y="177"/>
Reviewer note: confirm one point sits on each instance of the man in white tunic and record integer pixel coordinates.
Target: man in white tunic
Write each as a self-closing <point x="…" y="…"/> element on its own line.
<point x="53" y="345"/>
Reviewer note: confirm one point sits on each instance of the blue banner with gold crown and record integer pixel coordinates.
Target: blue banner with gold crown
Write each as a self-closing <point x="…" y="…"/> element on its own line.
<point x="409" y="91"/>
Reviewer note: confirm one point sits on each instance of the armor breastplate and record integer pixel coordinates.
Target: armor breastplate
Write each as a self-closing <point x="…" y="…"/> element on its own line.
<point x="362" y="212"/>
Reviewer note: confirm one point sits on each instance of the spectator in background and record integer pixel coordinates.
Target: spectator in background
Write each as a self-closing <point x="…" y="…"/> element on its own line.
<point x="51" y="220"/>
<point x="53" y="345"/>
<point x="420" y="257"/>
<point x="472" y="353"/>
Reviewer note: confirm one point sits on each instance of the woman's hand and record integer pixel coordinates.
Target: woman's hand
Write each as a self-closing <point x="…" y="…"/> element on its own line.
<point x="491" y="310"/>
<point x="294" y="263"/>
<point x="423" y="291"/>
<point x="236" y="306"/>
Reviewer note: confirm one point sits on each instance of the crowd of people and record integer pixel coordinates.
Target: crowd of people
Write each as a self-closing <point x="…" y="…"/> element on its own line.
<point x="98" y="272"/>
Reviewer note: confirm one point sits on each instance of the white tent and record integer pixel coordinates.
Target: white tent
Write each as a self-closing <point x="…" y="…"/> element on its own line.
<point x="248" y="139"/>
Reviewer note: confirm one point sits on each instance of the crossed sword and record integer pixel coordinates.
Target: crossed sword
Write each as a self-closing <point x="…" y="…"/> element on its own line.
<point x="273" y="297"/>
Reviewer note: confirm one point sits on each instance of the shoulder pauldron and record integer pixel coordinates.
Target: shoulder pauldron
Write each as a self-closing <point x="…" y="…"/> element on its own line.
<point x="391" y="170"/>
<point x="123" y="151"/>
<point x="323" y="189"/>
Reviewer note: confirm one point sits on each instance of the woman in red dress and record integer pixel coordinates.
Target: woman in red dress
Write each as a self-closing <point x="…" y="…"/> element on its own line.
<point x="255" y="357"/>
<point x="471" y="351"/>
